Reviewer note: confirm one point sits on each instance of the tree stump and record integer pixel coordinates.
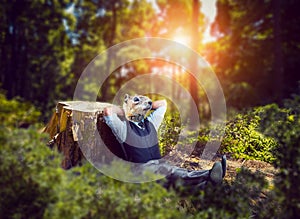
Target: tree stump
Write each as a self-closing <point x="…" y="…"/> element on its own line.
<point x="77" y="129"/>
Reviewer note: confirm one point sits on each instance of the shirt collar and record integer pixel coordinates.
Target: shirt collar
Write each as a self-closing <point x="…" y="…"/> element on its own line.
<point x="137" y="123"/>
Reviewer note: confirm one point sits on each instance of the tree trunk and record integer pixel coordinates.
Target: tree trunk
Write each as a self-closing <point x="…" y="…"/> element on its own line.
<point x="77" y="130"/>
<point x="110" y="56"/>
<point x="193" y="61"/>
<point x="277" y="45"/>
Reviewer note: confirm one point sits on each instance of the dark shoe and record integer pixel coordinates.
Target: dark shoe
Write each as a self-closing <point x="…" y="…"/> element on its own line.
<point x="216" y="173"/>
<point x="224" y="165"/>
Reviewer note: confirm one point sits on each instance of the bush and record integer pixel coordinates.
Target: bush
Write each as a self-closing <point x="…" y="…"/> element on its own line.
<point x="287" y="181"/>
<point x="26" y="185"/>
<point x="258" y="133"/>
<point x="282" y="201"/>
<point x="230" y="200"/>
<point x="278" y="123"/>
<point x="34" y="186"/>
<point x="243" y="140"/>
<point x="14" y="113"/>
<point x="169" y="131"/>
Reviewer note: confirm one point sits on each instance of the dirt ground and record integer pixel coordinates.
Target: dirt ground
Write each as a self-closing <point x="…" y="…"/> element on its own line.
<point x="194" y="163"/>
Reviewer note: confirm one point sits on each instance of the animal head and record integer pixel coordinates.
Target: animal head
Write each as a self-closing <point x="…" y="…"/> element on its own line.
<point x="136" y="107"/>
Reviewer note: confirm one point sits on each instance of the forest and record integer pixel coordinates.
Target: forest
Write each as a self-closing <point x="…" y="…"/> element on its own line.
<point x="251" y="52"/>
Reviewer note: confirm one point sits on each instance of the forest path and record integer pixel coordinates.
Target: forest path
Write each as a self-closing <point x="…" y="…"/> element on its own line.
<point x="233" y="165"/>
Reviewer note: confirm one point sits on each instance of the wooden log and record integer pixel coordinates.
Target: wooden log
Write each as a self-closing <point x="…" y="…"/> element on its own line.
<point x="78" y="130"/>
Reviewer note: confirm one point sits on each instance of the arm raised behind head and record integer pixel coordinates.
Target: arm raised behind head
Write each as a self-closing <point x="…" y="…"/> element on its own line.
<point x="108" y="111"/>
<point x="117" y="126"/>
<point x="158" y="103"/>
<point x="159" y="108"/>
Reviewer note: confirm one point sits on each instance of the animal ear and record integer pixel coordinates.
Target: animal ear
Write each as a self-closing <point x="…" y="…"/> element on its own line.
<point x="126" y="97"/>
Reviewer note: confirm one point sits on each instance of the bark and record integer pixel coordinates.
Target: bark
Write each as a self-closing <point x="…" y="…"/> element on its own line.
<point x="78" y="131"/>
<point x="110" y="56"/>
<point x="195" y="41"/>
<point x="278" y="56"/>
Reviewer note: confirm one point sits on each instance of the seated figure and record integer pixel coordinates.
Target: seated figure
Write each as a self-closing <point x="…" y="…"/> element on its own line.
<point x="137" y="136"/>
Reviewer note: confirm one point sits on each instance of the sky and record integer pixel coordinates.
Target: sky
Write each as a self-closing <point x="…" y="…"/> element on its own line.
<point x="209" y="10"/>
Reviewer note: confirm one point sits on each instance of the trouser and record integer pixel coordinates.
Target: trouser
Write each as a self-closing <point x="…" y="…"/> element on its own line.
<point x="179" y="178"/>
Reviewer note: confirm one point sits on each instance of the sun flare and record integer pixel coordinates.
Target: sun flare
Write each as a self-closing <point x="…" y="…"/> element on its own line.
<point x="182" y="39"/>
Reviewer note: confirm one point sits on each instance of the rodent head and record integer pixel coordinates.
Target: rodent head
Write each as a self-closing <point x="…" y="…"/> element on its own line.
<point x="136" y="107"/>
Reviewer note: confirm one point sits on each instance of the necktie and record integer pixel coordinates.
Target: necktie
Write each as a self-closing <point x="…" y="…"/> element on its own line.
<point x="141" y="124"/>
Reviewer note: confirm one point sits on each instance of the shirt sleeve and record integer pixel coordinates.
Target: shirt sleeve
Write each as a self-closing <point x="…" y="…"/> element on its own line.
<point x="117" y="126"/>
<point x="157" y="116"/>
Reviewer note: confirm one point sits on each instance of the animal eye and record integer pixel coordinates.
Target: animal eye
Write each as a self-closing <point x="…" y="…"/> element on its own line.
<point x="136" y="99"/>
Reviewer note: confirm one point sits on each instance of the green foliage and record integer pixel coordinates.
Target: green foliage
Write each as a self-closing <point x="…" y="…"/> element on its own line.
<point x="288" y="178"/>
<point x="124" y="200"/>
<point x="236" y="200"/>
<point x="243" y="139"/>
<point x="38" y="51"/>
<point x="169" y="132"/>
<point x="14" y="113"/>
<point x="287" y="157"/>
<point x="28" y="172"/>
<point x="283" y="200"/>
<point x="250" y="31"/>
<point x="44" y="49"/>
<point x="258" y="133"/>
<point x="120" y="20"/>
<point x="34" y="186"/>
<point x="279" y="123"/>
<point x="88" y="194"/>
<point x="284" y="124"/>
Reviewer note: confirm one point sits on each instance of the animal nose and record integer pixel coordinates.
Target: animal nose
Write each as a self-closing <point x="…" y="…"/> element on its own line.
<point x="150" y="102"/>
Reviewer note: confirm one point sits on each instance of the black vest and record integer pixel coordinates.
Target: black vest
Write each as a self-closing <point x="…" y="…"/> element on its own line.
<point x="141" y="145"/>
